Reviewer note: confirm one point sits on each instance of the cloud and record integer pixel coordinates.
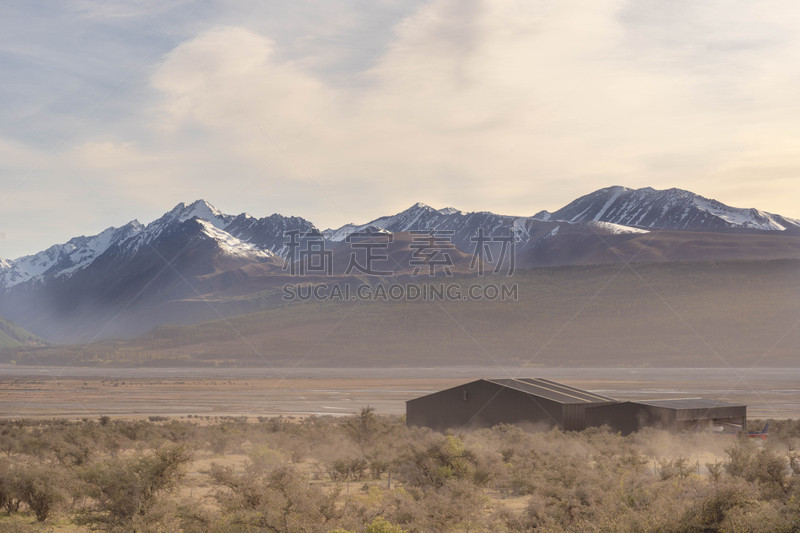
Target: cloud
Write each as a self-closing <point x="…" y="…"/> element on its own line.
<point x="492" y="103"/>
<point x="361" y="109"/>
<point x="103" y="10"/>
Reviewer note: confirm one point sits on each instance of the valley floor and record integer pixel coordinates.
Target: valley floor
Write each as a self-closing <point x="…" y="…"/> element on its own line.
<point x="72" y="392"/>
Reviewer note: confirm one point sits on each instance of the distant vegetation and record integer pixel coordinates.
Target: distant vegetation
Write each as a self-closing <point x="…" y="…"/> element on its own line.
<point x="371" y="474"/>
<point x="12" y="335"/>
<point x="669" y="314"/>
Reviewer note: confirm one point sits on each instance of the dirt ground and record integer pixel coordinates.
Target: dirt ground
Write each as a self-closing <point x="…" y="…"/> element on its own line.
<point x="773" y="393"/>
<point x="76" y="398"/>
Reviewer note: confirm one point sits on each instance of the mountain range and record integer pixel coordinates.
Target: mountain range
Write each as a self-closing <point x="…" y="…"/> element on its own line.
<point x="195" y="262"/>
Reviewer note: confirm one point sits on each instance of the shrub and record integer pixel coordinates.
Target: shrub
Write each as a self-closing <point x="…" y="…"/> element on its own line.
<point x="758" y="465"/>
<point x="38" y="486"/>
<point x="124" y="488"/>
<point x="679" y="467"/>
<point x="712" y="507"/>
<point x="443" y="459"/>
<point x="344" y="469"/>
<point x="280" y="500"/>
<point x="380" y="525"/>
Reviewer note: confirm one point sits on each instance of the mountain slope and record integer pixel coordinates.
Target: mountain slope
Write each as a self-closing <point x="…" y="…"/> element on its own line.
<point x="197" y="263"/>
<point x="64" y="259"/>
<point x="245" y="235"/>
<point x="610" y="211"/>
<point x="123" y="290"/>
<point x="667" y="209"/>
<point x="465" y="231"/>
<point x="12" y="336"/>
<point x="737" y="314"/>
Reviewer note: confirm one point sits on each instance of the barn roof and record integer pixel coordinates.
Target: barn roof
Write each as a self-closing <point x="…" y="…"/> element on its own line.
<point x="551" y="390"/>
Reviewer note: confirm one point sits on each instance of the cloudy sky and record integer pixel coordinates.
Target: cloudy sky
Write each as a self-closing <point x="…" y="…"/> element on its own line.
<point x="346" y="110"/>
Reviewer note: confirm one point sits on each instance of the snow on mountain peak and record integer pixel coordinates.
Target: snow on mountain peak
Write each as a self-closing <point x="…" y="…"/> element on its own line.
<point x="339" y="234"/>
<point x="616" y="229"/>
<point x="375" y="230"/>
<point x="64" y="259"/>
<point x="199" y="209"/>
<point x="203" y="210"/>
<point x="618" y="189"/>
<point x="614" y="209"/>
<point x="666" y="209"/>
<point x="229" y="244"/>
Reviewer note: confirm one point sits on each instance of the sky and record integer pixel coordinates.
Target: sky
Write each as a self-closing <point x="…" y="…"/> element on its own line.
<point x="347" y="110"/>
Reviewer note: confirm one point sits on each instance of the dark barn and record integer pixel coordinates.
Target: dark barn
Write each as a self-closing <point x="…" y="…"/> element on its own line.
<point x="488" y="402"/>
<point x="675" y="415"/>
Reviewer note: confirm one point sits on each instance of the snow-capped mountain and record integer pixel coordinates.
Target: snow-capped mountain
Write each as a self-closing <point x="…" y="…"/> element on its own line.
<point x="425" y="218"/>
<point x="126" y="280"/>
<point x="464" y="228"/>
<point x="610" y="211"/>
<point x="268" y="233"/>
<point x="236" y="234"/>
<point x="180" y="213"/>
<point x="239" y="236"/>
<point x="64" y="259"/>
<point x="417" y="217"/>
<point x="672" y="209"/>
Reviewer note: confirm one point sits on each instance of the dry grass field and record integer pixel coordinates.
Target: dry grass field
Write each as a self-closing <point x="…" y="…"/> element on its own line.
<point x="371" y="474"/>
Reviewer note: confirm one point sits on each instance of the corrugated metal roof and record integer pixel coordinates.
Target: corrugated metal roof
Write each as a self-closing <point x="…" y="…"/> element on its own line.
<point x="551" y="390"/>
<point x="688" y="403"/>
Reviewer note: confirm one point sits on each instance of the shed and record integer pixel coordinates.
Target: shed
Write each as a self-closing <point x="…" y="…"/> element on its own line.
<point x="537" y="402"/>
<point x="672" y="414"/>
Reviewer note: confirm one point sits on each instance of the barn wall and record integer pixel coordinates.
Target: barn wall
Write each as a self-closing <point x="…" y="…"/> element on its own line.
<point x="628" y="417"/>
<point x="689" y="419"/>
<point x="573" y="416"/>
<point x="712" y="413"/>
<point x="485" y="404"/>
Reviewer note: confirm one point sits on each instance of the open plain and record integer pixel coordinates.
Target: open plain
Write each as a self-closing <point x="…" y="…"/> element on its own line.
<point x="71" y="392"/>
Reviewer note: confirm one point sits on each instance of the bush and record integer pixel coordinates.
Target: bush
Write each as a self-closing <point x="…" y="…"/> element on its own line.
<point x="433" y="465"/>
<point x="124" y="488"/>
<point x="38" y="486"/>
<point x="679" y="467"/>
<point x="280" y="500"/>
<point x="758" y="465"/>
<point x="713" y="506"/>
<point x="380" y="525"/>
<point x="120" y="476"/>
<point x="344" y="469"/>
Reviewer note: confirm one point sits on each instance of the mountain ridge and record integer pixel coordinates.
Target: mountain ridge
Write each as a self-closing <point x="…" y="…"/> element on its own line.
<point x="126" y="280"/>
<point x="667" y="209"/>
<point x="627" y="209"/>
